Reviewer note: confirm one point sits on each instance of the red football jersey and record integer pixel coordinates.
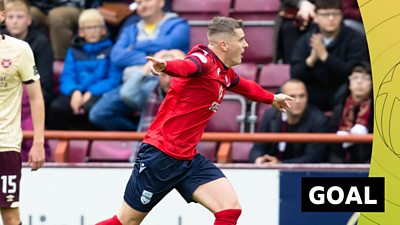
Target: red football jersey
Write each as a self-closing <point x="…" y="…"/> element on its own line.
<point x="196" y="92"/>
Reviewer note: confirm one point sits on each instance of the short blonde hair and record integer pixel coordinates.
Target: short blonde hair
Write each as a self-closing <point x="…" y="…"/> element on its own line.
<point x="17" y="4"/>
<point x="1" y="5"/>
<point x="90" y="15"/>
<point x="222" y="24"/>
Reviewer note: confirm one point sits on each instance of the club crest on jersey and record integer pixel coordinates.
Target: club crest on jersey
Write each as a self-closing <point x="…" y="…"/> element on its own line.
<point x="146" y="197"/>
<point x="214" y="106"/>
<point x="202" y="58"/>
<point x="6" y="63"/>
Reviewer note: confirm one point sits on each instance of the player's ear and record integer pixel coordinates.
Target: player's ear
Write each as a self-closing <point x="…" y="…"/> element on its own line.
<point x="223" y="45"/>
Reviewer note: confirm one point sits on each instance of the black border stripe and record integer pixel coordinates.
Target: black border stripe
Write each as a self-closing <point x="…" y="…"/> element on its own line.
<point x="234" y="83"/>
<point x="29" y="81"/>
<point x="197" y="64"/>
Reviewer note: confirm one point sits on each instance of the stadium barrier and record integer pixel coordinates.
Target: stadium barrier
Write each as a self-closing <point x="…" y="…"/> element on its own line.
<point x="224" y="153"/>
<point x="85" y="193"/>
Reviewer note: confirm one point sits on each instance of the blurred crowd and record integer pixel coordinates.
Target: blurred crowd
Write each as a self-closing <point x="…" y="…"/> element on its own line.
<point x="106" y="83"/>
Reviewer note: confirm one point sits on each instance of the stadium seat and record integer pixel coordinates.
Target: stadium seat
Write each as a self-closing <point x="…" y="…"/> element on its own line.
<point x="58" y="67"/>
<point x="230" y="117"/>
<point x="247" y="70"/>
<point x="198" y="35"/>
<point x="78" y="149"/>
<point x="256" y="113"/>
<point x="261" y="44"/>
<point x="208" y="149"/>
<point x="241" y="151"/>
<point x="259" y="37"/>
<point x="272" y="76"/>
<point x="255" y="9"/>
<point x="201" y="10"/>
<point x="115" y="151"/>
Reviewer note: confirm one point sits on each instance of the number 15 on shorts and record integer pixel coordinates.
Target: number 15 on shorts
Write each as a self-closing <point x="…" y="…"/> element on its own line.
<point x="8" y="184"/>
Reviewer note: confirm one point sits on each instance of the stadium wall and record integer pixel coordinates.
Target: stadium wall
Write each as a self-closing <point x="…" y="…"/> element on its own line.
<point x="84" y="196"/>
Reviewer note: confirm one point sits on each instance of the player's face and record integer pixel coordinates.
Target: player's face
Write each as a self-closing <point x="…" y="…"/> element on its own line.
<point x="360" y="84"/>
<point x="328" y="20"/>
<point x="17" y="21"/>
<point x="92" y="31"/>
<point x="298" y="92"/>
<point x="236" y="47"/>
<point x="148" y="8"/>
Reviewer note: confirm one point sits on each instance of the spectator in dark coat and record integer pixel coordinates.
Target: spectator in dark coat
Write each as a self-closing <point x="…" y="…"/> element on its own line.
<point x="354" y="115"/>
<point x="324" y="56"/>
<point x="302" y="118"/>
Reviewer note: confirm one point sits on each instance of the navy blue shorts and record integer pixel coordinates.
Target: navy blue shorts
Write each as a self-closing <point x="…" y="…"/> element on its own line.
<point x="155" y="174"/>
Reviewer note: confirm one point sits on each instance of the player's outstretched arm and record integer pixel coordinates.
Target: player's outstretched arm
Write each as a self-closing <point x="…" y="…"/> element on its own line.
<point x="36" y="154"/>
<point x="255" y="92"/>
<point x="281" y="102"/>
<point x="174" y="68"/>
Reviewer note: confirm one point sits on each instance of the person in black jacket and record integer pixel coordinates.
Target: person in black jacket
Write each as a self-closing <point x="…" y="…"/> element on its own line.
<point x="354" y="115"/>
<point x="324" y="56"/>
<point x="18" y="24"/>
<point x="293" y="20"/>
<point x="302" y="118"/>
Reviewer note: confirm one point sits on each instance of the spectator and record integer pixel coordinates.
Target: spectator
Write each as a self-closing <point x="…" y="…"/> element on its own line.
<point x="354" y="116"/>
<point x="60" y="18"/>
<point x="134" y="18"/>
<point x="301" y="117"/>
<point x="87" y="75"/>
<point x="18" y="24"/>
<point x="155" y="31"/>
<point x="324" y="56"/>
<point x="144" y="95"/>
<point x="293" y="20"/>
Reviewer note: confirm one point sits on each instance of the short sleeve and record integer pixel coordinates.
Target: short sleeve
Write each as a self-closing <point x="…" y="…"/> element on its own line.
<point x="27" y="67"/>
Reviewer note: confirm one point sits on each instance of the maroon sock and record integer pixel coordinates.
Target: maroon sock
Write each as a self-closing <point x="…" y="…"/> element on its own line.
<point x="227" y="217"/>
<point x="111" y="221"/>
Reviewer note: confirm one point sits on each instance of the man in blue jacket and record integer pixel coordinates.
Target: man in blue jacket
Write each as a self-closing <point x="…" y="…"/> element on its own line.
<point x="156" y="31"/>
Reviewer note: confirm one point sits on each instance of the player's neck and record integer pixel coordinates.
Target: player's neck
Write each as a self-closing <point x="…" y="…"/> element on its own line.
<point x="220" y="55"/>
